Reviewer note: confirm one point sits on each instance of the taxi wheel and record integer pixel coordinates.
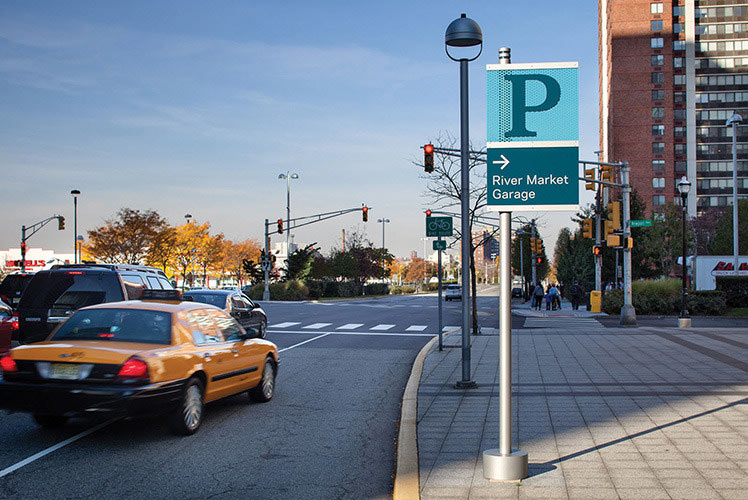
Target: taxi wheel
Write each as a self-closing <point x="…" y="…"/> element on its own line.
<point x="263" y="330"/>
<point x="50" y="421"/>
<point x="186" y="419"/>
<point x="266" y="388"/>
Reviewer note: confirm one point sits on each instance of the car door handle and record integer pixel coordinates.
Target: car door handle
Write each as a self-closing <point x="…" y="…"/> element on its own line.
<point x="207" y="356"/>
<point x="235" y="351"/>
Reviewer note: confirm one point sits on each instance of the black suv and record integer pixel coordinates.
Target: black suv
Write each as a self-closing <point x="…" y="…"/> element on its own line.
<point x="13" y="286"/>
<point x="54" y="294"/>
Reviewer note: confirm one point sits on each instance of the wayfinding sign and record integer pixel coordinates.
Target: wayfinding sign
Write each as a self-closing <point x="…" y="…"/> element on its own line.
<point x="439" y="244"/>
<point x="533" y="136"/>
<point x="438" y="226"/>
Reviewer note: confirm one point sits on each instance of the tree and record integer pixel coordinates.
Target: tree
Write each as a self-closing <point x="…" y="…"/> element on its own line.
<point x="443" y="191"/>
<point x="161" y="251"/>
<point x="722" y="242"/>
<point x="237" y="253"/>
<point x="523" y="249"/>
<point x="127" y="238"/>
<point x="299" y="265"/>
<point x="190" y="237"/>
<point x="210" y="253"/>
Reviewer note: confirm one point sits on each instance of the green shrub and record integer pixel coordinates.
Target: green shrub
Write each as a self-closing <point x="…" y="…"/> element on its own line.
<point x="706" y="303"/>
<point x="377" y="289"/>
<point x="735" y="289"/>
<point x="664" y="297"/>
<point x="289" y="290"/>
<point x="409" y="289"/>
<point x="255" y="293"/>
<point x="396" y="290"/>
<point x="431" y="287"/>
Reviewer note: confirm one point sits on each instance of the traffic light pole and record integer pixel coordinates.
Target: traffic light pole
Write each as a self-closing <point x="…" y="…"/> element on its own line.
<point x="598" y="239"/>
<point x="628" y="313"/>
<point x="439" y="270"/>
<point x="266" y="264"/>
<point x="34" y="228"/>
<point x="534" y="272"/>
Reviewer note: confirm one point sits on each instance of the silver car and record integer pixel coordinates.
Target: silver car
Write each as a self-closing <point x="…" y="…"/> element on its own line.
<point x="453" y="292"/>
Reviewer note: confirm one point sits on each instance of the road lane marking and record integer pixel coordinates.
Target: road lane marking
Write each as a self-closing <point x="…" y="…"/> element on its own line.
<point x="360" y="334"/>
<point x="286" y="324"/>
<point x="382" y="327"/>
<point x="416" y="328"/>
<point x="448" y="328"/>
<point x="316" y="326"/>
<point x="304" y="342"/>
<point x="350" y="326"/>
<point x="43" y="453"/>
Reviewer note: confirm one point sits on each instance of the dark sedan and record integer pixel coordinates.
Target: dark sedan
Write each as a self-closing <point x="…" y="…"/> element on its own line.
<point x="238" y="305"/>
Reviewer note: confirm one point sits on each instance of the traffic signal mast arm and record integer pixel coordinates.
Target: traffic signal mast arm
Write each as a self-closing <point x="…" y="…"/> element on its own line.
<point x="604" y="183"/>
<point x="474" y="155"/>
<point x="36" y="227"/>
<point x="297" y="222"/>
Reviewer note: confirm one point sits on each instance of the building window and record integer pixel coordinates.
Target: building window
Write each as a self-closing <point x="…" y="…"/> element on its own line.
<point x="658" y="60"/>
<point x="658" y="112"/>
<point x="658" y="77"/>
<point x="658" y="147"/>
<point x="658" y="95"/>
<point x="679" y="62"/>
<point x="655" y="25"/>
<point x="677" y="27"/>
<point x="655" y="8"/>
<point x="681" y="166"/>
<point x="679" y="149"/>
<point x="656" y="42"/>
<point x="679" y="97"/>
<point x="658" y="129"/>
<point x="679" y="114"/>
<point x="679" y="79"/>
<point x="679" y="10"/>
<point x="677" y="44"/>
<point x="658" y="165"/>
<point x="658" y="182"/>
<point x="679" y="131"/>
<point x="658" y="200"/>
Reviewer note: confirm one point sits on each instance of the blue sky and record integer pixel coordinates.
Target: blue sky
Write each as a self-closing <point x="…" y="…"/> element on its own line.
<point x="196" y="107"/>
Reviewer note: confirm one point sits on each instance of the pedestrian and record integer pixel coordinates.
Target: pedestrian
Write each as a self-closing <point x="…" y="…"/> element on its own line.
<point x="555" y="297"/>
<point x="537" y="295"/>
<point x="548" y="300"/>
<point x="576" y="295"/>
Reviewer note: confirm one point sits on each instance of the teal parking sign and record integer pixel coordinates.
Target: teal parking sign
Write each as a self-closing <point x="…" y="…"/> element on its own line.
<point x="533" y="136"/>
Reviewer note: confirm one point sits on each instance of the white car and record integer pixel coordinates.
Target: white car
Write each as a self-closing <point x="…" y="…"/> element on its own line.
<point x="453" y="292"/>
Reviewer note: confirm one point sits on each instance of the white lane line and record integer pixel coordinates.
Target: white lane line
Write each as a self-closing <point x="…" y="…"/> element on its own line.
<point x="360" y="334"/>
<point x="305" y="342"/>
<point x="286" y="324"/>
<point x="350" y="326"/>
<point x="416" y="328"/>
<point x="56" y="447"/>
<point x="382" y="327"/>
<point x="447" y="328"/>
<point x="316" y="326"/>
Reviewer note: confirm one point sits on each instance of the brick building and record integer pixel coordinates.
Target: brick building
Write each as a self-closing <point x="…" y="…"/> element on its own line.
<point x="671" y="74"/>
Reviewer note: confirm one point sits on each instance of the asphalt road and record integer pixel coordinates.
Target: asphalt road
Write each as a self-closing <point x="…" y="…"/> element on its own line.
<point x="328" y="433"/>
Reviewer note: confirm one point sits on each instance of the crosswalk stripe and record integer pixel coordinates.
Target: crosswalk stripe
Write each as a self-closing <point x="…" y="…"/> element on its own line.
<point x="316" y="326"/>
<point x="416" y="328"/>
<point x="350" y="326"/>
<point x="381" y="327"/>
<point x="448" y="328"/>
<point x="286" y="324"/>
<point x="561" y="322"/>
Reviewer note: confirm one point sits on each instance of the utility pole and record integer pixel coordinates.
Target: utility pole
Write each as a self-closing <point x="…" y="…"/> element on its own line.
<point x="598" y="233"/>
<point x="534" y="272"/>
<point x="628" y="313"/>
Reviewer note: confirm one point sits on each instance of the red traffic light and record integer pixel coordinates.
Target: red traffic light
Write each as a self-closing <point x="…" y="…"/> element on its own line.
<point x="365" y="213"/>
<point x="539" y="260"/>
<point x="428" y="213"/>
<point x="429" y="148"/>
<point x="597" y="250"/>
<point x="428" y="158"/>
<point x="280" y="226"/>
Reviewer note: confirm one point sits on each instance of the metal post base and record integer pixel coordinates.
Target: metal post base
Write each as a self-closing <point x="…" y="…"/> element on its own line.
<point x="498" y="467"/>
<point x="628" y="316"/>
<point x="684" y="322"/>
<point x="466" y="384"/>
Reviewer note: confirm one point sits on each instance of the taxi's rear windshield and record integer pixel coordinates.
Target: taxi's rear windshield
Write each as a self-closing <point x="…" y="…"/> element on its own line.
<point x="117" y="325"/>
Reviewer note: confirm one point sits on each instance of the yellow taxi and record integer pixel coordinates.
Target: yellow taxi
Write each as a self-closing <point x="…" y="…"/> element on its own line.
<point x="158" y="355"/>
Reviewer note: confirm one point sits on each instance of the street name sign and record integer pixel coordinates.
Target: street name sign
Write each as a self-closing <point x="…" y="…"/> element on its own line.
<point x="440" y="244"/>
<point x="533" y="136"/>
<point x="641" y="223"/>
<point x="438" y="226"/>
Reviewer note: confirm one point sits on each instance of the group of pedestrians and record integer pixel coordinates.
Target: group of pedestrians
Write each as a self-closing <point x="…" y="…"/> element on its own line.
<point x="551" y="296"/>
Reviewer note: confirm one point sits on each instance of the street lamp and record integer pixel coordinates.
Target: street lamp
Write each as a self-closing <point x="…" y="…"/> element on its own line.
<point x="288" y="176"/>
<point x="383" y="221"/>
<point x="733" y="122"/>
<point x="75" y="194"/>
<point x="684" y="186"/>
<point x="464" y="32"/>
<point x="188" y="217"/>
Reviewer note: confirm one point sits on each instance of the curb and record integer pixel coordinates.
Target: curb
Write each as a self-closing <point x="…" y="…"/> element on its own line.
<point x="407" y="484"/>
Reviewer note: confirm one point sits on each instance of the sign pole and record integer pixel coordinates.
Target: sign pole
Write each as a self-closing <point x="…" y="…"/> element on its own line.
<point x="628" y="313"/>
<point x="23" y="249"/>
<point x="439" y="270"/>
<point x="265" y="267"/>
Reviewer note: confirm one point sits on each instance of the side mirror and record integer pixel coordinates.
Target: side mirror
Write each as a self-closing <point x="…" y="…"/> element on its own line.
<point x="251" y="333"/>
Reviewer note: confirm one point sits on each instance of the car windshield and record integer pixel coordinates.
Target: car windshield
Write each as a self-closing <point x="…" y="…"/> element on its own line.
<point x="214" y="299"/>
<point x="117" y="325"/>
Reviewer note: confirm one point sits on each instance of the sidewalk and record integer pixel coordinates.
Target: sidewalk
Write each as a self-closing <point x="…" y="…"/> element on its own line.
<point x="602" y="412"/>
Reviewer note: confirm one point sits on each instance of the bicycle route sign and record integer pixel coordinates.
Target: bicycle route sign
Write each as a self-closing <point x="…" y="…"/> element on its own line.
<point x="440" y="244"/>
<point x="438" y="226"/>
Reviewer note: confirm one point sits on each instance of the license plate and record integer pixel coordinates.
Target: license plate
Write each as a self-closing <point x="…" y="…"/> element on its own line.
<point x="63" y="371"/>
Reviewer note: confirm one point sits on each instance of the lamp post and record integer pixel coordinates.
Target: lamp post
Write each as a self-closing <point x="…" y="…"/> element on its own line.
<point x="188" y="217"/>
<point x="733" y="122"/>
<point x="383" y="221"/>
<point x="79" y="247"/>
<point x="75" y="194"/>
<point x="464" y="32"/>
<point x="287" y="177"/>
<point x="684" y="186"/>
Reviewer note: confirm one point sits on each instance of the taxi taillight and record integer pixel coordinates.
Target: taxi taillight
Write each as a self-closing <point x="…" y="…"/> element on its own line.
<point x="8" y="364"/>
<point x="133" y="369"/>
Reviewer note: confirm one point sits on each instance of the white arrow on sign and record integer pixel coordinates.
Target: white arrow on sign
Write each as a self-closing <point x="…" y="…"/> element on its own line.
<point x="503" y="163"/>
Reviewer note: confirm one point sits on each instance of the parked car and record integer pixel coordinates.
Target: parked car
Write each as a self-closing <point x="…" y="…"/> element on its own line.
<point x="54" y="294"/>
<point x="13" y="286"/>
<point x="235" y="303"/>
<point x="140" y="357"/>
<point x="453" y="292"/>
<point x="517" y="292"/>
<point x="8" y="323"/>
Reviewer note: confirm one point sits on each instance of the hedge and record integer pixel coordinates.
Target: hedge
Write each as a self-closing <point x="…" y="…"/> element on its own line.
<point x="664" y="297"/>
<point x="285" y="290"/>
<point x="735" y="289"/>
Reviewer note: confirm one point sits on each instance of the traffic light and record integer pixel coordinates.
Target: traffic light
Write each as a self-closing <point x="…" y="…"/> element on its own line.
<point x="532" y="245"/>
<point x="280" y="226"/>
<point x="628" y="242"/>
<point x="589" y="174"/>
<point x="23" y="247"/>
<point x="428" y="158"/>
<point x="608" y="228"/>
<point x="614" y="214"/>
<point x="587" y="228"/>
<point x="539" y="259"/>
<point x="365" y="213"/>
<point x="606" y="176"/>
<point x="428" y="213"/>
<point x="613" y="240"/>
<point x="597" y="250"/>
<point x="61" y="223"/>
<point x="538" y="248"/>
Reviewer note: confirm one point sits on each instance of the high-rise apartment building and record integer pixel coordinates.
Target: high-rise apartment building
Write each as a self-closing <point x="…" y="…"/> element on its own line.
<point x="671" y="74"/>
